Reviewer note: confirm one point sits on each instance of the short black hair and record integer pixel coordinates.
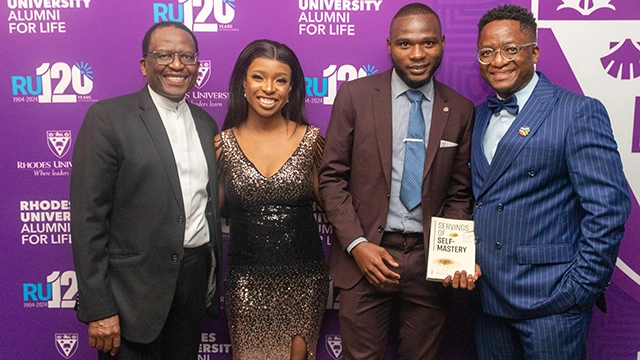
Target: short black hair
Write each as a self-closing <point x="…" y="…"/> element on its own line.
<point x="147" y="37"/>
<point x="510" y="12"/>
<point x="415" y="9"/>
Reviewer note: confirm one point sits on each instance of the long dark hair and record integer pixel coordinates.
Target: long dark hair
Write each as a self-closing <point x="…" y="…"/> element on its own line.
<point x="238" y="109"/>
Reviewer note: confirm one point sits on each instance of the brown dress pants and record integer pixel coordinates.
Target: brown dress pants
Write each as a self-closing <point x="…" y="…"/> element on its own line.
<point x="421" y="306"/>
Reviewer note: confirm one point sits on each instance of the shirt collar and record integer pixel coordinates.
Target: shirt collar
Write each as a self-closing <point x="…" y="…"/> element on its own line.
<point x="525" y="93"/>
<point x="398" y="87"/>
<point x="163" y="102"/>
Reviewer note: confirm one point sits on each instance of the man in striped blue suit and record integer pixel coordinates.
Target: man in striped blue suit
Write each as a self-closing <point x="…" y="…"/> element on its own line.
<point x="551" y="200"/>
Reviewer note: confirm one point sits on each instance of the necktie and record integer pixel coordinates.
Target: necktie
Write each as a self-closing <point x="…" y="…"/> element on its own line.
<point x="510" y="104"/>
<point x="411" y="187"/>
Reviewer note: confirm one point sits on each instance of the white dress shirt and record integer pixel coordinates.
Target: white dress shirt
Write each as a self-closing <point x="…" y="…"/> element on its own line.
<point x="191" y="163"/>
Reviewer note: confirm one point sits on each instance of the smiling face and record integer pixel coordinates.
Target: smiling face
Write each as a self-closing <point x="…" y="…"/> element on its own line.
<point x="508" y="77"/>
<point x="415" y="45"/>
<point x="266" y="86"/>
<point x="174" y="80"/>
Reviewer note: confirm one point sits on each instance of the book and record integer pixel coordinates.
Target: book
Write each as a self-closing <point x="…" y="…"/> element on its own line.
<point x="452" y="248"/>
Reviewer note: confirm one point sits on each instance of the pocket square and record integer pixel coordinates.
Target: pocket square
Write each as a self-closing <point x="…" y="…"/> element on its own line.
<point x="445" y="144"/>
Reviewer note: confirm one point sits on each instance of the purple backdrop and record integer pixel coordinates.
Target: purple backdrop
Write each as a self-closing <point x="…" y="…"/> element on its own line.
<point x="67" y="54"/>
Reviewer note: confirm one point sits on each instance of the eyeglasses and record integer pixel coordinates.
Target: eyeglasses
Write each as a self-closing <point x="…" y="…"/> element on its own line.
<point x="508" y="52"/>
<point x="163" y="57"/>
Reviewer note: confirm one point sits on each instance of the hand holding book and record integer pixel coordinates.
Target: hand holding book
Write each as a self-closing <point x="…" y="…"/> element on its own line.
<point x="452" y="253"/>
<point x="462" y="280"/>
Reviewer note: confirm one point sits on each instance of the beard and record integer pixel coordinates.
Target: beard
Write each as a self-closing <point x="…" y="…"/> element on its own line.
<point x="414" y="84"/>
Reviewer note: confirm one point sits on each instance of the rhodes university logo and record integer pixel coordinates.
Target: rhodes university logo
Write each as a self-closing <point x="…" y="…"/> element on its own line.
<point x="323" y="90"/>
<point x="585" y="9"/>
<point x="54" y="83"/>
<point x="333" y="344"/>
<point x="58" y="292"/>
<point x="66" y="344"/>
<point x="204" y="72"/>
<point x="59" y="142"/>
<point x="198" y="15"/>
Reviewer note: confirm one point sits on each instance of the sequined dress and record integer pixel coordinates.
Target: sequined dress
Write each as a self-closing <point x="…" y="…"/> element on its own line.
<point x="277" y="282"/>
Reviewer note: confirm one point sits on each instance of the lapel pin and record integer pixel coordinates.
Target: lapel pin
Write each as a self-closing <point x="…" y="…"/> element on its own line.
<point x="446" y="109"/>
<point x="524" y="131"/>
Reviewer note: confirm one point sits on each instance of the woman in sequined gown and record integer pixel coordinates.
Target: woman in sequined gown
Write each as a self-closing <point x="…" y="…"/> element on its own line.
<point x="277" y="282"/>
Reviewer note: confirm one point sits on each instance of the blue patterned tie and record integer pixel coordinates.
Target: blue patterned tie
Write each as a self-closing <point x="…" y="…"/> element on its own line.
<point x="510" y="104"/>
<point x="411" y="188"/>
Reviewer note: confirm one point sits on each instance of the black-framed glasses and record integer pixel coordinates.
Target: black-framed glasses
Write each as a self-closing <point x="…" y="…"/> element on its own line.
<point x="163" y="57"/>
<point x="508" y="52"/>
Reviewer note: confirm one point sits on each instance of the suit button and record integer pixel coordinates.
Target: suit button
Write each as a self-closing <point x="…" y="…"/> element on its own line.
<point x="532" y="172"/>
<point x="380" y="229"/>
<point x="498" y="245"/>
<point x="388" y="196"/>
<point x="209" y="213"/>
<point x="477" y="239"/>
<point x="479" y="205"/>
<point x="469" y="164"/>
<point x="180" y="219"/>
<point x="500" y="207"/>
<point x="174" y="258"/>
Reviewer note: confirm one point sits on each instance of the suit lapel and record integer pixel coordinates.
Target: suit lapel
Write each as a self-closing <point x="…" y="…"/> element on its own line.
<point x="481" y="165"/>
<point x="439" y="118"/>
<point x="153" y="123"/>
<point x="383" y="122"/>
<point x="532" y="116"/>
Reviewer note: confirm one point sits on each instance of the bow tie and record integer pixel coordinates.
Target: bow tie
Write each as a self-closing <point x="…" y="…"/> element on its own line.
<point x="510" y="104"/>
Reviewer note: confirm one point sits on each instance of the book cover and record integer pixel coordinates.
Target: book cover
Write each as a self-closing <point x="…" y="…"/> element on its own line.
<point x="451" y="248"/>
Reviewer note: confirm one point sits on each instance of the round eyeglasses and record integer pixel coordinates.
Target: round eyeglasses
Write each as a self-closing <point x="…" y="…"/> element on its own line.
<point x="508" y="52"/>
<point x="163" y="57"/>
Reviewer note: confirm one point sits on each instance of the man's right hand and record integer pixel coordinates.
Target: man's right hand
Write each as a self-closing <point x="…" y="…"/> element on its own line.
<point x="104" y="335"/>
<point x="371" y="260"/>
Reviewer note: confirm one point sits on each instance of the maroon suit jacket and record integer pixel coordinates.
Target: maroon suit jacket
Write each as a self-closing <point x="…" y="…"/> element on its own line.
<point x="355" y="177"/>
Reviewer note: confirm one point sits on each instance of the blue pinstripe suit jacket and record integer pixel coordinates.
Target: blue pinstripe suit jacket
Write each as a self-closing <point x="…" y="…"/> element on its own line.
<point x="550" y="209"/>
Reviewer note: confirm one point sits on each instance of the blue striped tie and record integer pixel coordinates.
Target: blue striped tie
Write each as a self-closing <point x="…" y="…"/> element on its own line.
<point x="411" y="188"/>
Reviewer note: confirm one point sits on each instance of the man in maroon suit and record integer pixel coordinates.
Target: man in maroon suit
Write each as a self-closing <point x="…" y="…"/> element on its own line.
<point x="378" y="233"/>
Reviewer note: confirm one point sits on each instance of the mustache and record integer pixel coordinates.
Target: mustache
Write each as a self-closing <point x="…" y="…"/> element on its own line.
<point x="414" y="84"/>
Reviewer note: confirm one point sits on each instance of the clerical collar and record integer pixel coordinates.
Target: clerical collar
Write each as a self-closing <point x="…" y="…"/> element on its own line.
<point x="165" y="103"/>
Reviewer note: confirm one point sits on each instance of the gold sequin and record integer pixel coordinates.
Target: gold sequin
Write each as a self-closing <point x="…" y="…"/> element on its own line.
<point x="277" y="282"/>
